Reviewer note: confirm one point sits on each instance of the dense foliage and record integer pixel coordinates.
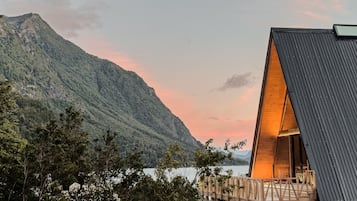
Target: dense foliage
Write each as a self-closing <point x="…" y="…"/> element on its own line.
<point x="51" y="151"/>
<point x="57" y="161"/>
<point x="12" y="145"/>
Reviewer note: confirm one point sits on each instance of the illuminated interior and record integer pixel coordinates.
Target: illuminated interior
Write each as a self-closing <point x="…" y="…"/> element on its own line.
<point x="278" y="150"/>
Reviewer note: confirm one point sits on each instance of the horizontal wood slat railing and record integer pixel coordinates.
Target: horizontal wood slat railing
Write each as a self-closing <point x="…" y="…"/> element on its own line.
<point x="301" y="188"/>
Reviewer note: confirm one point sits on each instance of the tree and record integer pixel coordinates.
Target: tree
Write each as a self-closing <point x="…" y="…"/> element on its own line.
<point x="106" y="165"/>
<point x="177" y="188"/>
<point x="56" y="159"/>
<point x="75" y="146"/>
<point x="12" y="145"/>
<point x="112" y="174"/>
<point x="106" y="153"/>
<point x="173" y="158"/>
<point x="127" y="170"/>
<point x="163" y="188"/>
<point x="61" y="148"/>
<point x="209" y="157"/>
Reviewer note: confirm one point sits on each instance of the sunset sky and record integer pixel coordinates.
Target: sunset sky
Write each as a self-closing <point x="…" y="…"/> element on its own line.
<point x="205" y="58"/>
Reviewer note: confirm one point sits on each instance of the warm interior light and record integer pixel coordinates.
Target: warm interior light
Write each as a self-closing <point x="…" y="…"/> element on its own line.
<point x="270" y="118"/>
<point x="293" y="131"/>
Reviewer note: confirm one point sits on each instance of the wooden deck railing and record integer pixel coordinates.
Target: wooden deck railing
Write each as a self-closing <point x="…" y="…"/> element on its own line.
<point x="301" y="188"/>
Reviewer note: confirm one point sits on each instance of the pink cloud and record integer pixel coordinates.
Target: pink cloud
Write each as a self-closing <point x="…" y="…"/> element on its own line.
<point x="180" y="104"/>
<point x="335" y="6"/>
<point x="314" y="15"/>
<point x="318" y="10"/>
<point x="222" y="130"/>
<point x="338" y="6"/>
<point x="247" y="95"/>
<point x="222" y="124"/>
<point x="100" y="47"/>
<point x="202" y="124"/>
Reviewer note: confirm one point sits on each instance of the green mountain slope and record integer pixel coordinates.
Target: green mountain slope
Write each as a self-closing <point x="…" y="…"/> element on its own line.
<point x="50" y="69"/>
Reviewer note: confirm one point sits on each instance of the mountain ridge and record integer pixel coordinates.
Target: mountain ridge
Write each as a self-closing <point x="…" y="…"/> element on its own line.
<point x="53" y="70"/>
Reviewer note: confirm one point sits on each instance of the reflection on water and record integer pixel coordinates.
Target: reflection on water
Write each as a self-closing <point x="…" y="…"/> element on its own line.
<point x="190" y="172"/>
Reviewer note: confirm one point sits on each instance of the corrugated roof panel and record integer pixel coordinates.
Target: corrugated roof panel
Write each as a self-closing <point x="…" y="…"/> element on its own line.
<point x="321" y="75"/>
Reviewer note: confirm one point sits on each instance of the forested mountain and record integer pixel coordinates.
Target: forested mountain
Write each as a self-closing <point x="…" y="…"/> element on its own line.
<point x="54" y="72"/>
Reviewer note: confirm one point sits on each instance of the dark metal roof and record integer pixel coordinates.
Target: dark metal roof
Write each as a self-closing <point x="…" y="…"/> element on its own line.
<point x="320" y="71"/>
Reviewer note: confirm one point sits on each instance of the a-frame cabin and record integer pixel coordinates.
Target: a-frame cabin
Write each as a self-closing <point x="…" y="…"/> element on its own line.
<point x="307" y="114"/>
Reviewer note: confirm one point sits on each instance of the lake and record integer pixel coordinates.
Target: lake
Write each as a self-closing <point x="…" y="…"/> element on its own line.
<point x="189" y="172"/>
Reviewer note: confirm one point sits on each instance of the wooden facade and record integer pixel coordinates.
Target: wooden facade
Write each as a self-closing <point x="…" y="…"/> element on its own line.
<point x="277" y="151"/>
<point x="248" y="189"/>
<point x="309" y="87"/>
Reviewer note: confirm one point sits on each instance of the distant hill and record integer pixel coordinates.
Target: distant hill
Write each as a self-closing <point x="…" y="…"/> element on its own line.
<point x="54" y="71"/>
<point x="240" y="157"/>
<point x="243" y="155"/>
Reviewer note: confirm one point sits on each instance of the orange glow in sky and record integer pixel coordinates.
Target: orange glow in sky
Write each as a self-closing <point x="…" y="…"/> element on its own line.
<point x="204" y="58"/>
<point x="201" y="126"/>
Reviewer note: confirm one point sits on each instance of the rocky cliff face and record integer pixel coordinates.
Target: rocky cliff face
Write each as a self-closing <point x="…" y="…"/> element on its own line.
<point x="48" y="68"/>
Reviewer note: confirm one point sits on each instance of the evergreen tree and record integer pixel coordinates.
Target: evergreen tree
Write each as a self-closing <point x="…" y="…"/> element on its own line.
<point x="61" y="151"/>
<point x="11" y="144"/>
<point x="107" y="156"/>
<point x="108" y="165"/>
<point x="57" y="158"/>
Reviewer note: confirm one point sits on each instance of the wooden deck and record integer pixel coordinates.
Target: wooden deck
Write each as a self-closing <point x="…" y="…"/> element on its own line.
<point x="301" y="188"/>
